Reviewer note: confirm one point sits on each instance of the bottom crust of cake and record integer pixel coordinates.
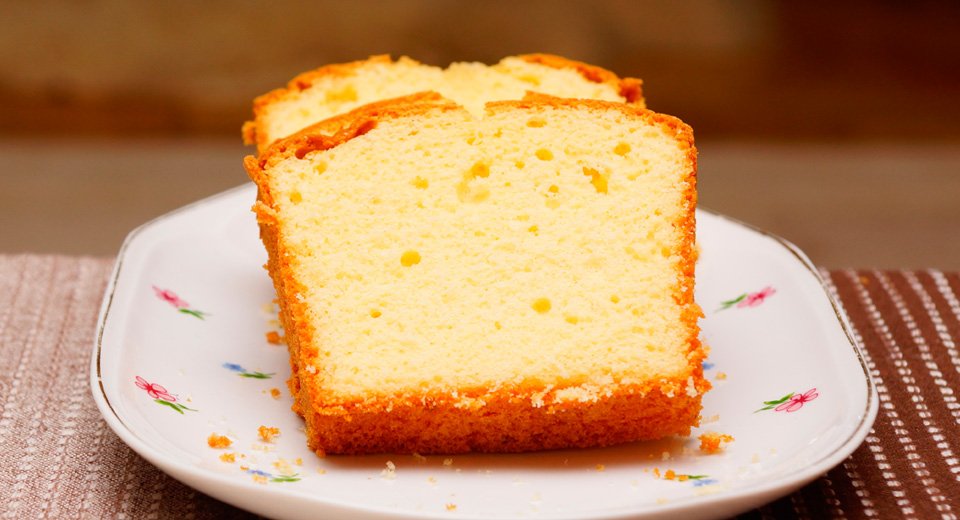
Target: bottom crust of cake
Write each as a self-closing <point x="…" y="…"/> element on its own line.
<point x="503" y="424"/>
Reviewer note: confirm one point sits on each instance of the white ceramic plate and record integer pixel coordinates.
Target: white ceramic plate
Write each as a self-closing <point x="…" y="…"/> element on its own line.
<point x="181" y="353"/>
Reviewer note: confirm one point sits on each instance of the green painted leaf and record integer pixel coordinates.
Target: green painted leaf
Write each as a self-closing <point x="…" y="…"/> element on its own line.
<point x="171" y="405"/>
<point x="286" y="478"/>
<point x="697" y="477"/>
<point x="730" y="303"/>
<point x="194" y="313"/>
<point x="781" y="400"/>
<point x="256" y="375"/>
<point x="177" y="407"/>
<point x="776" y="403"/>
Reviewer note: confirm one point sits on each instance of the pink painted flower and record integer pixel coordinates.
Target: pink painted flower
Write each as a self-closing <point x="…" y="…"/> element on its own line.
<point x="170" y="297"/>
<point x="154" y="390"/>
<point x="796" y="401"/>
<point x="754" y="299"/>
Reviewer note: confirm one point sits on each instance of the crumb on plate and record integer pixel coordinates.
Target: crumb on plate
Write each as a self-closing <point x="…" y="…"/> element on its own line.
<point x="712" y="442"/>
<point x="218" y="441"/>
<point x="267" y="433"/>
<point x="390" y="472"/>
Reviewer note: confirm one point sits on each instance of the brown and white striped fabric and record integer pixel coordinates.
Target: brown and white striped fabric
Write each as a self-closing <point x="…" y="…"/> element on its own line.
<point x="60" y="460"/>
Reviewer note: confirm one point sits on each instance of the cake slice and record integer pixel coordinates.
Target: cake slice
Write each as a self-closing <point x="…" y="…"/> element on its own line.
<point x="335" y="89"/>
<point x="518" y="280"/>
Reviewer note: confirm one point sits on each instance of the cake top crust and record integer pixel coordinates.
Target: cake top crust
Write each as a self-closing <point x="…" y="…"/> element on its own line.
<point x="256" y="130"/>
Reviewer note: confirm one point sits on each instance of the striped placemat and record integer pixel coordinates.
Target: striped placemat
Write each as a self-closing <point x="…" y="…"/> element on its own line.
<point x="60" y="460"/>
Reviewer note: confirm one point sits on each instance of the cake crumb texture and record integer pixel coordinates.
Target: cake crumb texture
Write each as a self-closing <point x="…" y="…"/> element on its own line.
<point x="423" y="315"/>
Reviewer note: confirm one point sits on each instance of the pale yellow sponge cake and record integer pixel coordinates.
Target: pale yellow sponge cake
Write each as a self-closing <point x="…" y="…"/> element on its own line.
<point x="510" y="280"/>
<point x="320" y="94"/>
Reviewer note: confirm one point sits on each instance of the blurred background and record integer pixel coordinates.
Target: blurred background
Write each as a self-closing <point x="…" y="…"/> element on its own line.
<point x="833" y="124"/>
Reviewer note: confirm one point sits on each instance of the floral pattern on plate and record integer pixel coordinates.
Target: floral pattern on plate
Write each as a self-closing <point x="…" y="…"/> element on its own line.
<point x="748" y="299"/>
<point x="178" y="303"/>
<point x="243" y="372"/>
<point x="262" y="477"/>
<point x="161" y="396"/>
<point x="790" y="402"/>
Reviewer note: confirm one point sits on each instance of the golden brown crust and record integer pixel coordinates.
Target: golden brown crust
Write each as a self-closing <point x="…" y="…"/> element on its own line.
<point x="507" y="422"/>
<point x="631" y="89"/>
<point x="440" y="423"/>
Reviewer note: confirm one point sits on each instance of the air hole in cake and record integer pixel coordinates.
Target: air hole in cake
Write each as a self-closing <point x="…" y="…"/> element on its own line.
<point x="343" y="95"/>
<point x="410" y="258"/>
<point x="529" y="78"/>
<point x="420" y="183"/>
<point x="320" y="168"/>
<point x="519" y="164"/>
<point x="541" y="305"/>
<point x="534" y="229"/>
<point x="544" y="155"/>
<point x="468" y="190"/>
<point x="597" y="179"/>
<point x="375" y="313"/>
<point x="615" y="299"/>
<point x="553" y="188"/>
<point x="480" y="169"/>
<point x="536" y="122"/>
<point x="621" y="149"/>
<point x="572" y="320"/>
<point x="296" y="197"/>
